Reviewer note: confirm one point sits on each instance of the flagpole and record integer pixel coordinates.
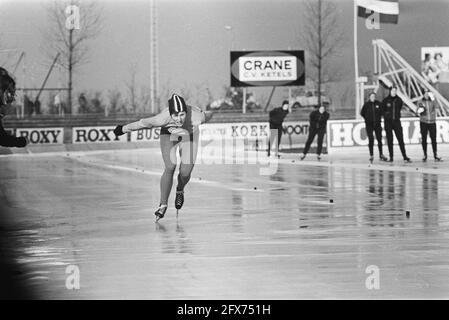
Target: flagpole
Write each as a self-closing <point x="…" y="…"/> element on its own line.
<point x="356" y="63"/>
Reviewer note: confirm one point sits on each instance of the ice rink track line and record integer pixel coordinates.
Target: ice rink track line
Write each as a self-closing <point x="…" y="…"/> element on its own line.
<point x="158" y="174"/>
<point x="241" y="160"/>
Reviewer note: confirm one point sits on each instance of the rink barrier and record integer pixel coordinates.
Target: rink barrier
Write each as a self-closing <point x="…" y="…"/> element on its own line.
<point x="254" y="133"/>
<point x="344" y="134"/>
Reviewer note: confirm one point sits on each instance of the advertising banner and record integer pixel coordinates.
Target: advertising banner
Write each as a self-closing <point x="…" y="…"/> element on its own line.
<point x="267" y="68"/>
<point x="352" y="133"/>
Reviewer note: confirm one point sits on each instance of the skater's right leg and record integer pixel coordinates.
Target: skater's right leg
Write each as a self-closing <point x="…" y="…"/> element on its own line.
<point x="168" y="150"/>
<point x="272" y="139"/>
<point x="312" y="133"/>
<point x="433" y="138"/>
<point x="279" y="137"/>
<point x="321" y="134"/>
<point x="369" y="132"/>
<point x="400" y="137"/>
<point x="378" y="132"/>
<point x="423" y="127"/>
<point x="389" y="133"/>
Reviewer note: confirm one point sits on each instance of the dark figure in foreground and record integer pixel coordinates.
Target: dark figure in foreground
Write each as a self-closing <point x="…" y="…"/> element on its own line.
<point x="391" y="111"/>
<point x="7" y="96"/>
<point x="372" y="113"/>
<point x="318" y="122"/>
<point x="427" y="114"/>
<point x="277" y="116"/>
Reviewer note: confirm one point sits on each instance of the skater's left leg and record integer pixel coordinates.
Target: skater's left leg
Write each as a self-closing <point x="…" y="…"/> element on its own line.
<point x="369" y="133"/>
<point x="188" y="151"/>
<point x="320" y="141"/>
<point x="168" y="150"/>
<point x="424" y="131"/>
<point x="279" y="139"/>
<point x="433" y="138"/>
<point x="378" y="133"/>
<point x="185" y="171"/>
<point x="397" y="127"/>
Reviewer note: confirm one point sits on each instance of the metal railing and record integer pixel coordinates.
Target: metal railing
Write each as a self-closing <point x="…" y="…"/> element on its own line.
<point x="398" y="72"/>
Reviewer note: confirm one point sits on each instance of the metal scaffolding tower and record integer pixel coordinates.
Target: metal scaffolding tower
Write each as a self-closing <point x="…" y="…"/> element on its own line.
<point x="391" y="69"/>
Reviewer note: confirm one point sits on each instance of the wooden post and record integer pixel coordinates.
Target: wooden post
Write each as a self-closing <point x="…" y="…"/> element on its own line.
<point x="244" y="100"/>
<point x="289" y="99"/>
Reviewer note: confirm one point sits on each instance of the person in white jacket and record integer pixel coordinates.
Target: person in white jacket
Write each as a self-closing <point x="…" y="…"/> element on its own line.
<point x="427" y="113"/>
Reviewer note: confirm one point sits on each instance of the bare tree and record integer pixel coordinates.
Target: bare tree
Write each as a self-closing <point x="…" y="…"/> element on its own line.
<point x="114" y="97"/>
<point x="131" y="86"/>
<point x="144" y="97"/>
<point x="165" y="92"/>
<point x="72" y="42"/>
<point x="323" y="38"/>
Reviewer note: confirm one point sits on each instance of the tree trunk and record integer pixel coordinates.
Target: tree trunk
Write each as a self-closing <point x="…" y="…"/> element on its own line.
<point x="69" y="102"/>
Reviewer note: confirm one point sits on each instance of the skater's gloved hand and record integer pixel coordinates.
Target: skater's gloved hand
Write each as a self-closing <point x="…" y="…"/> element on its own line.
<point x="178" y="131"/>
<point x="208" y="115"/>
<point x="118" y="131"/>
<point x="21" y="142"/>
<point x="420" y="110"/>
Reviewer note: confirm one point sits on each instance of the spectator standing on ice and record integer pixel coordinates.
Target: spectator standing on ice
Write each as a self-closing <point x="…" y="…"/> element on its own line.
<point x="372" y="113"/>
<point x="277" y="116"/>
<point x="427" y="122"/>
<point x="391" y="111"/>
<point x="318" y="121"/>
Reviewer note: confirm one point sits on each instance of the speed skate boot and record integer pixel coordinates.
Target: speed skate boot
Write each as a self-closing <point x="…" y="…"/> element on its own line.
<point x="371" y="159"/>
<point x="383" y="158"/>
<point x="437" y="158"/>
<point x="160" y="212"/>
<point x="179" y="200"/>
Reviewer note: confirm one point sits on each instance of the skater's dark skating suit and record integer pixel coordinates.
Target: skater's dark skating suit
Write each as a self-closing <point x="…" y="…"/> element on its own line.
<point x="277" y="116"/>
<point x="391" y="111"/>
<point x="7" y="94"/>
<point x="317" y="126"/>
<point x="175" y="136"/>
<point x="372" y="113"/>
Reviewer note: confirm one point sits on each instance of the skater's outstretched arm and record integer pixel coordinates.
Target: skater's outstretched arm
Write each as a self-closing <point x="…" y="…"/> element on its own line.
<point x="199" y="116"/>
<point x="208" y="115"/>
<point x="159" y="120"/>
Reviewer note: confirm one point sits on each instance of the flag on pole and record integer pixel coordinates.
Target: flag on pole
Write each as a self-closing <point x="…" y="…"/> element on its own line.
<point x="388" y="10"/>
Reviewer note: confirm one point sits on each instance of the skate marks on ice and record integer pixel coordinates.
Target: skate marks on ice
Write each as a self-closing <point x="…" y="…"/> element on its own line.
<point x="102" y="164"/>
<point x="287" y="242"/>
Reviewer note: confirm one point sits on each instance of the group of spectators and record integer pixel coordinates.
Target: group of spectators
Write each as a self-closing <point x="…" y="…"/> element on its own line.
<point x="318" y="121"/>
<point x="372" y="112"/>
<point x="390" y="110"/>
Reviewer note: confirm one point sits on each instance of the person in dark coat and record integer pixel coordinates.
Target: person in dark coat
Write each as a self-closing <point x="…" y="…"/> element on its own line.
<point x="391" y="111"/>
<point x="277" y="116"/>
<point x="372" y="113"/>
<point x="7" y="96"/>
<point x="318" y="122"/>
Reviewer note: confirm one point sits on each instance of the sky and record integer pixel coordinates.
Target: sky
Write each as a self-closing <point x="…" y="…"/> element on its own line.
<point x="194" y="44"/>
